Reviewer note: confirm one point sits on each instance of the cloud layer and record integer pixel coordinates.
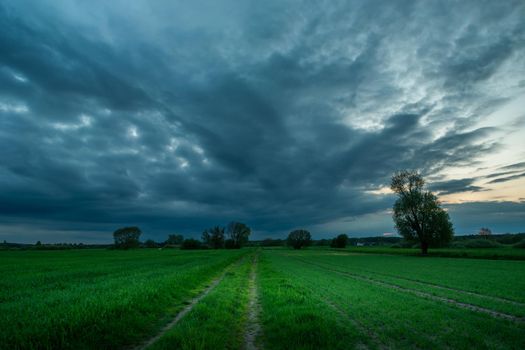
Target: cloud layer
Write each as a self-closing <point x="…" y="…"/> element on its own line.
<point x="175" y="116"/>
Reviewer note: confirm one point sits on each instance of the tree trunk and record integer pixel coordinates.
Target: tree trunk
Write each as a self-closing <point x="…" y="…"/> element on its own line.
<point x="424" y="248"/>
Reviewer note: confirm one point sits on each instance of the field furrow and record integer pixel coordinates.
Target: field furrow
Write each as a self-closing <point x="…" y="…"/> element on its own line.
<point x="258" y="299"/>
<point x="501" y="279"/>
<point x="184" y="311"/>
<point x="118" y="307"/>
<point x="455" y="302"/>
<point x="399" y="319"/>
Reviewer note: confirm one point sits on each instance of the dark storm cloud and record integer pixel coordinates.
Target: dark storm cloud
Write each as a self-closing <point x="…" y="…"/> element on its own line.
<point x="176" y="117"/>
<point x="505" y="217"/>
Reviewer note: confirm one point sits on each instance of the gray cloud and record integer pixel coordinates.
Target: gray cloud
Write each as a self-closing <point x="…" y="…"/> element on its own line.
<point x="507" y="178"/>
<point x="519" y="165"/>
<point x="502" y="217"/>
<point x="175" y="116"/>
<point x="501" y="173"/>
<point x="455" y="186"/>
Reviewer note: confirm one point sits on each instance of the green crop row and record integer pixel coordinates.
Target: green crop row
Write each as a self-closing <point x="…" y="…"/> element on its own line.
<point x="308" y="299"/>
<point x="387" y="317"/>
<point x="503" y="279"/>
<point x="218" y="320"/>
<point x="104" y="299"/>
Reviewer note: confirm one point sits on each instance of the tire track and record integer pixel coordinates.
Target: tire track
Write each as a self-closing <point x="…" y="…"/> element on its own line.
<point x="439" y="286"/>
<point x="374" y="337"/>
<point x="343" y="314"/>
<point x="186" y="309"/>
<point x="424" y="295"/>
<point x="253" y="328"/>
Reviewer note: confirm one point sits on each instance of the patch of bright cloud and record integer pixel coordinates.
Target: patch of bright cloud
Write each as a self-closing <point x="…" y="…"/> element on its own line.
<point x="13" y="108"/>
<point x="84" y="122"/>
<point x="20" y="78"/>
<point x="133" y="132"/>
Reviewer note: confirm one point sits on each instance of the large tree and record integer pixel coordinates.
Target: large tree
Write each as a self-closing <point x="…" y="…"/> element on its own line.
<point x="127" y="237"/>
<point x="214" y="237"/>
<point x="417" y="214"/>
<point x="238" y="233"/>
<point x="299" y="238"/>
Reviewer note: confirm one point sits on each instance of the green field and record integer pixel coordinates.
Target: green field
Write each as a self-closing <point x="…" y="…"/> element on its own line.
<point x="504" y="253"/>
<point x="258" y="298"/>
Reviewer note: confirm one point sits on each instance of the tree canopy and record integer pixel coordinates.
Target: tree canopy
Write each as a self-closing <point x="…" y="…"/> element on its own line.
<point x="214" y="237"/>
<point x="417" y="213"/>
<point x="127" y="237"/>
<point x="238" y="233"/>
<point x="299" y="238"/>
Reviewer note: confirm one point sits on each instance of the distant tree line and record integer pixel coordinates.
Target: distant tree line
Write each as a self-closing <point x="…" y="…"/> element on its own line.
<point x="516" y="240"/>
<point x="234" y="236"/>
<point x="50" y="246"/>
<point x="417" y="214"/>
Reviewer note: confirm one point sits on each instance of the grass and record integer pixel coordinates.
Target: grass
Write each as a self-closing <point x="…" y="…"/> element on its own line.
<point x="501" y="253"/>
<point x="294" y="317"/>
<point x="498" y="278"/>
<point x="217" y="322"/>
<point x="97" y="298"/>
<point x="309" y="299"/>
<point x="380" y="316"/>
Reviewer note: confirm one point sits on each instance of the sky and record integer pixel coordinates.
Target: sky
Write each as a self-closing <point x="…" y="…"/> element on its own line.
<point x="180" y="115"/>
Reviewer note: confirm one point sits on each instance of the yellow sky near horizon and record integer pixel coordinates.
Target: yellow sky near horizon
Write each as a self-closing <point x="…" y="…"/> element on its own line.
<point x="512" y="191"/>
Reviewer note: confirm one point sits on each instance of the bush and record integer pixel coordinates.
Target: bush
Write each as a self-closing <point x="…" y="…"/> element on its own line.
<point x="230" y="244"/>
<point x="457" y="244"/>
<point x="323" y="242"/>
<point x="191" y="243"/>
<point x="510" y="238"/>
<point x="477" y="243"/>
<point x="404" y="244"/>
<point x="150" y="244"/>
<point x="340" y="241"/>
<point x="269" y="242"/>
<point x="175" y="239"/>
